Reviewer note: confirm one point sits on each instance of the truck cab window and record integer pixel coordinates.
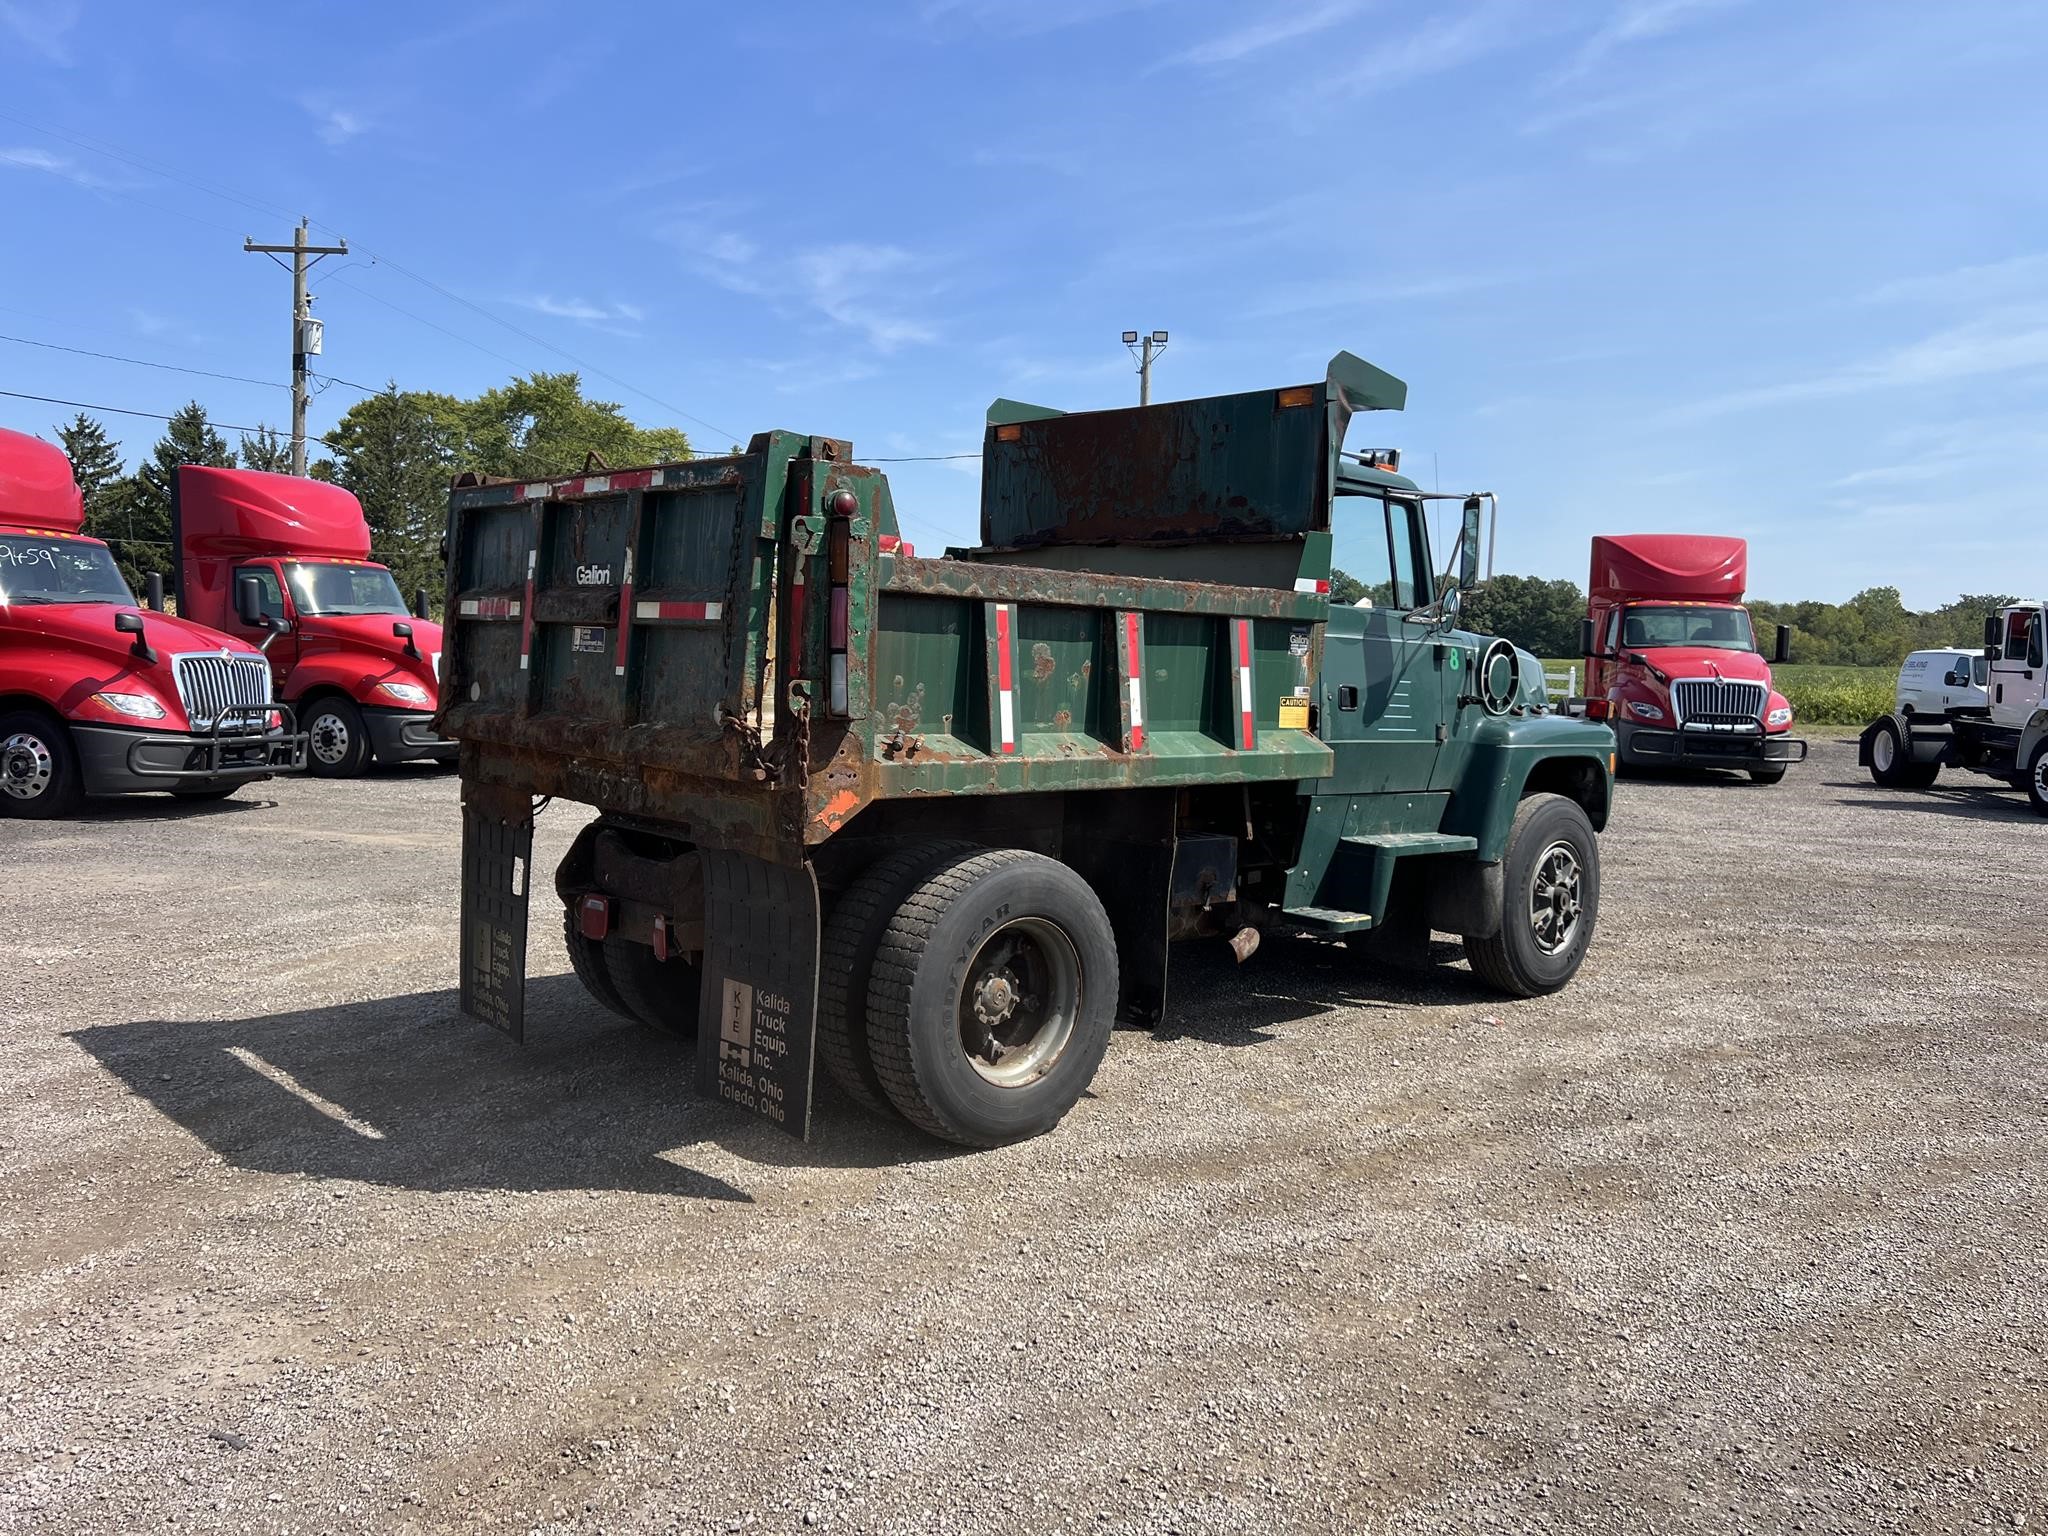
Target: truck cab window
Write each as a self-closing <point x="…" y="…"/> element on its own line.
<point x="273" y="594"/>
<point x="2016" y="624"/>
<point x="1380" y="541"/>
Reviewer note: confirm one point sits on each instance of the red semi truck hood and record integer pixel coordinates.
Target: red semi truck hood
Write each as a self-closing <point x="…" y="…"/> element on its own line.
<point x="1706" y="661"/>
<point x="358" y="651"/>
<point x="70" y="651"/>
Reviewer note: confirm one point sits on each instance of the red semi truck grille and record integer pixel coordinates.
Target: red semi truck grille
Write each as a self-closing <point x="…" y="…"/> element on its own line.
<point x="1716" y="701"/>
<point x="208" y="684"/>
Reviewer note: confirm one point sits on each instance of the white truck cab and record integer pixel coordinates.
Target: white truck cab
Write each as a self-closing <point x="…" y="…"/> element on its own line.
<point x="2017" y="652"/>
<point x="1935" y="682"/>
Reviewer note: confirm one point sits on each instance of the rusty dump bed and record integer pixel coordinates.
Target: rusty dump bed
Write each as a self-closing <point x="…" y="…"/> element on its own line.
<point x="743" y="649"/>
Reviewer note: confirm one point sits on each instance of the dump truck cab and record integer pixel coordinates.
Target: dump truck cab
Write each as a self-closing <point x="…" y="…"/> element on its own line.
<point x="99" y="696"/>
<point x="284" y="562"/>
<point x="938" y="820"/>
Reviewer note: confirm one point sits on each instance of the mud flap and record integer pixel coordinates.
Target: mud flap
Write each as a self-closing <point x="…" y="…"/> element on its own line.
<point x="497" y="870"/>
<point x="760" y="985"/>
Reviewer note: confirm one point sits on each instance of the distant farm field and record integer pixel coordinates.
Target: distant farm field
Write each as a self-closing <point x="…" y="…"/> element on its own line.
<point x="1819" y="695"/>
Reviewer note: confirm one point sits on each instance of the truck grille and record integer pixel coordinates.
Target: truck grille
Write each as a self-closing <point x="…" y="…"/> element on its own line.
<point x="1716" y="701"/>
<point x="209" y="684"/>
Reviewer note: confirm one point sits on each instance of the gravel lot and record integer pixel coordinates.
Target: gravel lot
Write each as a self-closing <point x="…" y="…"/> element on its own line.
<point x="1745" y="1231"/>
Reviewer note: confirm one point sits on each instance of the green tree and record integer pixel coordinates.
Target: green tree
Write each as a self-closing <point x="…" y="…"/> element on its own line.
<point x="144" y="544"/>
<point x="1540" y="616"/>
<point x="542" y="425"/>
<point x="1345" y="588"/>
<point x="268" y="450"/>
<point x="96" y="466"/>
<point x="395" y="451"/>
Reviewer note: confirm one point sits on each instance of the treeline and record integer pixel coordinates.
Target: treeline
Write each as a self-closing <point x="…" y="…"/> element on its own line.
<point x="1872" y="629"/>
<point x="396" y="451"/>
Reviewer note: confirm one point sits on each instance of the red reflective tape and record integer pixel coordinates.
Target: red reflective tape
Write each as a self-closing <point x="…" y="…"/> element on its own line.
<point x="526" y="612"/>
<point x="646" y="610"/>
<point x="625" y="616"/>
<point x="1006" y="704"/>
<point x="633" y="480"/>
<point x="1135" y="681"/>
<point x="1247" y="736"/>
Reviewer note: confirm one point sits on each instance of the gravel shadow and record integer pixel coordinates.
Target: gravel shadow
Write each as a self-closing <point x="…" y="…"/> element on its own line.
<point x="1210" y="997"/>
<point x="132" y="808"/>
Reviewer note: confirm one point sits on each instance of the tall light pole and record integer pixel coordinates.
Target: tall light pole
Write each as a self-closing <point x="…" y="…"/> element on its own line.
<point x="1144" y="350"/>
<point x="305" y="329"/>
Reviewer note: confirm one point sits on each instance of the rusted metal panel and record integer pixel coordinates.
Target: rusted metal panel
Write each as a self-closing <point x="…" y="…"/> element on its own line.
<point x="1080" y="589"/>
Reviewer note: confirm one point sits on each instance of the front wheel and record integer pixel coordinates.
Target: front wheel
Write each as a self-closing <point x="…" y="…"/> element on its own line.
<point x="2037" y="778"/>
<point x="337" y="742"/>
<point x="1550" y="886"/>
<point x="992" y="997"/>
<point x="40" y="779"/>
<point x="1891" y="759"/>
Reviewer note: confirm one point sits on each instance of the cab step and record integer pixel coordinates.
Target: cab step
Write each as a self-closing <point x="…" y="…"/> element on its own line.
<point x="1406" y="844"/>
<point x="1326" y="919"/>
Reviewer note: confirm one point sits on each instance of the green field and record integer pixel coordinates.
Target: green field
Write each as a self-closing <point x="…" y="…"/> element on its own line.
<point x="1819" y="695"/>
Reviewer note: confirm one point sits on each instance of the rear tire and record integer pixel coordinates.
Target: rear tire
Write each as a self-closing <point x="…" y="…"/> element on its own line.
<point x="1891" y="760"/>
<point x="2037" y="778"/>
<point x="992" y="999"/>
<point x="662" y="994"/>
<point x="40" y="779"/>
<point x="587" y="957"/>
<point x="1550" y="898"/>
<point x="846" y="962"/>
<point x="337" y="742"/>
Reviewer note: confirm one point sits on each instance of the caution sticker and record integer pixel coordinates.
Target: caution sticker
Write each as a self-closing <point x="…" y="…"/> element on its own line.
<point x="1294" y="714"/>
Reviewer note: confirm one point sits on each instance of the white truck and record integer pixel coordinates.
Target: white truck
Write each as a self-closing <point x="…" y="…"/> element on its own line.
<point x="1935" y="682"/>
<point x="2005" y="735"/>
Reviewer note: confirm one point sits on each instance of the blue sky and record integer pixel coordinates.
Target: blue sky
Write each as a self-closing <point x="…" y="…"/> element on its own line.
<point x="1766" y="268"/>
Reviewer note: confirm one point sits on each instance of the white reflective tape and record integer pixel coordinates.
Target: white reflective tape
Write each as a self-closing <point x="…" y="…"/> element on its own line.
<point x="534" y="492"/>
<point x="647" y="610"/>
<point x="627" y="579"/>
<point x="1304" y="584"/>
<point x="469" y="605"/>
<point x="1137" y="701"/>
<point x="1009" y="717"/>
<point x="596" y="483"/>
<point x="713" y="610"/>
<point x="1244" y="687"/>
<point x="838" y="702"/>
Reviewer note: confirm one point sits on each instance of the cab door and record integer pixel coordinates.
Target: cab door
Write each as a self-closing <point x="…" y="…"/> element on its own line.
<point x="1380" y="691"/>
<point x="2020" y="670"/>
<point x="277" y="604"/>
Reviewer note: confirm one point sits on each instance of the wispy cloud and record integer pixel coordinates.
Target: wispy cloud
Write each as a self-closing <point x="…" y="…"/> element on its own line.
<point x="1268" y="32"/>
<point x="1637" y="21"/>
<point x="613" y="317"/>
<point x="856" y="285"/>
<point x="2007" y="341"/>
<point x="43" y="26"/>
<point x="2013" y="277"/>
<point x="61" y="166"/>
<point x="1009" y="18"/>
<point x="1446" y="43"/>
<point x="1361" y="293"/>
<point x="335" y="124"/>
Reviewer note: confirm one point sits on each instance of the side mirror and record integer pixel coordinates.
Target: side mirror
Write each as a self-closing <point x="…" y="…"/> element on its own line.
<point x="403" y="631"/>
<point x="131" y="624"/>
<point x="1783" y="653"/>
<point x="156" y="591"/>
<point x="249" y="602"/>
<point x="1588" y="637"/>
<point x="1993" y="633"/>
<point x="1468" y="546"/>
<point x="419" y="603"/>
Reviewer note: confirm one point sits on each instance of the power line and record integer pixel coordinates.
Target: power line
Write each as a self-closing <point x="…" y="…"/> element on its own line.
<point x="328" y="378"/>
<point x="917" y="458"/>
<point x="143" y="362"/>
<point x="122" y="410"/>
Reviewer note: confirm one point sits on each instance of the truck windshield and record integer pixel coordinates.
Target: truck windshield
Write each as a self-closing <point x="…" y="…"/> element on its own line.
<point x="1719" y="629"/>
<point x="46" y="570"/>
<point x="342" y="589"/>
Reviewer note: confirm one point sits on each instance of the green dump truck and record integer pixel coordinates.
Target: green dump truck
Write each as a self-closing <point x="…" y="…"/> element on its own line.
<point x="937" y="821"/>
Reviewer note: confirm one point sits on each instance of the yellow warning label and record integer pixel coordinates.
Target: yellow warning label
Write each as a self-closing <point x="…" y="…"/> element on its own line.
<point x="1294" y="714"/>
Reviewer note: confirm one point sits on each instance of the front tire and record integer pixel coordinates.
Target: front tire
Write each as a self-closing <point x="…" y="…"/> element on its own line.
<point x="40" y="779"/>
<point x="1767" y="775"/>
<point x="992" y="999"/>
<point x="337" y="741"/>
<point x="1550" y="900"/>
<point x="2037" y="778"/>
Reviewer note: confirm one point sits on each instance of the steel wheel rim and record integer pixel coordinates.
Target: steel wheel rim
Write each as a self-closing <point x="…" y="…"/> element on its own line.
<point x="1883" y="752"/>
<point x="1556" y="897"/>
<point x="2041" y="777"/>
<point x="27" y="766"/>
<point x="1019" y="1000"/>
<point x="328" y="739"/>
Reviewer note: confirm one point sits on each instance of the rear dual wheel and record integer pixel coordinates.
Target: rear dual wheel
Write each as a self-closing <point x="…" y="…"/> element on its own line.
<point x="991" y="992"/>
<point x="631" y="981"/>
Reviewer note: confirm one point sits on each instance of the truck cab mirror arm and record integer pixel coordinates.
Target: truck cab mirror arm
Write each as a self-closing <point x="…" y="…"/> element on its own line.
<point x="403" y="631"/>
<point x="131" y="624"/>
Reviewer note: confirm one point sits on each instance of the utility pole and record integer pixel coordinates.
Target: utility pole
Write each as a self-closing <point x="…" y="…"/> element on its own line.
<point x="305" y="332"/>
<point x="1151" y="346"/>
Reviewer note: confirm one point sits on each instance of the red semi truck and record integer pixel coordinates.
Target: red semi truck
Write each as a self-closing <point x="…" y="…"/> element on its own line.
<point x="97" y="696"/>
<point x="286" y="561"/>
<point x="1672" y="661"/>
